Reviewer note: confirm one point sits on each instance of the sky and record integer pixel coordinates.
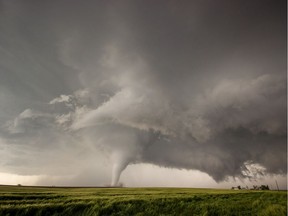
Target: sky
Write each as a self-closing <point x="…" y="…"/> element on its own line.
<point x="143" y="93"/>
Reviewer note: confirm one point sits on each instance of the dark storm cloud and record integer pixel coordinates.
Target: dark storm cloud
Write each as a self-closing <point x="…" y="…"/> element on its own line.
<point x="191" y="84"/>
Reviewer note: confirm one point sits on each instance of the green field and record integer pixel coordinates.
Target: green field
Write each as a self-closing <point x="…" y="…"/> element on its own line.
<point x="139" y="201"/>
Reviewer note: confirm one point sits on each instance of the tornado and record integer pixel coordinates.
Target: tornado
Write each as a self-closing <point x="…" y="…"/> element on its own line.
<point x="116" y="173"/>
<point x="120" y="162"/>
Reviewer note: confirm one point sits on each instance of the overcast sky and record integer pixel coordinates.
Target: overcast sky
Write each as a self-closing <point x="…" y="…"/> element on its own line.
<point x="168" y="93"/>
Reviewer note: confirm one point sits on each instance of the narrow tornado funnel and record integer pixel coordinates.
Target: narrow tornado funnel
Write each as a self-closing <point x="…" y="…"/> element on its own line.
<point x="116" y="172"/>
<point x="120" y="163"/>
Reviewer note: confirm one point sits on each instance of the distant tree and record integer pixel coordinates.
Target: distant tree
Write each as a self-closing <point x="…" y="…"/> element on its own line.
<point x="239" y="187"/>
<point x="264" y="187"/>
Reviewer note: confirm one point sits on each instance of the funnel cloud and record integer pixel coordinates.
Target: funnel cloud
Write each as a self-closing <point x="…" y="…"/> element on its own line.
<point x="90" y="88"/>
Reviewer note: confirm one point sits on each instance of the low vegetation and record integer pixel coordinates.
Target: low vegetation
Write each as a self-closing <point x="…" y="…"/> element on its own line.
<point x="139" y="201"/>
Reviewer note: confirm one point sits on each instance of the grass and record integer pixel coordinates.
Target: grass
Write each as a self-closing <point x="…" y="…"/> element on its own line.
<point x="139" y="201"/>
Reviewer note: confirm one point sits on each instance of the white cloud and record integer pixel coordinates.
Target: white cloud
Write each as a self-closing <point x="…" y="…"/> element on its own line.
<point x="61" y="99"/>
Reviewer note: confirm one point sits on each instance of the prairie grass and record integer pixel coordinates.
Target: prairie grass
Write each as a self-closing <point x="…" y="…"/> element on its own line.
<point x="139" y="201"/>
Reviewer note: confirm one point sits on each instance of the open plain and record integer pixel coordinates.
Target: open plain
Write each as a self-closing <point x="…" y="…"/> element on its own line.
<point x="22" y="200"/>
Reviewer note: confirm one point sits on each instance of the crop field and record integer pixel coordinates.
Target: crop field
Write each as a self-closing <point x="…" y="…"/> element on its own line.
<point x="19" y="200"/>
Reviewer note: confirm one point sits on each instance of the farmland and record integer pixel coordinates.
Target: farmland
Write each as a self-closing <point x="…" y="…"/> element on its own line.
<point x="139" y="201"/>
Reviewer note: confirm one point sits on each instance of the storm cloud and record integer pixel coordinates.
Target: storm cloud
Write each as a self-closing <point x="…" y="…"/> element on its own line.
<point x="194" y="85"/>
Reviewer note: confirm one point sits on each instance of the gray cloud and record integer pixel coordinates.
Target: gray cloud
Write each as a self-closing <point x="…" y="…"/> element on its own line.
<point x="190" y="85"/>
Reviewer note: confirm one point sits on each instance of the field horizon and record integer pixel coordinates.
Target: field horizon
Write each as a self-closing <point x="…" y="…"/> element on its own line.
<point x="36" y="200"/>
<point x="136" y="187"/>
